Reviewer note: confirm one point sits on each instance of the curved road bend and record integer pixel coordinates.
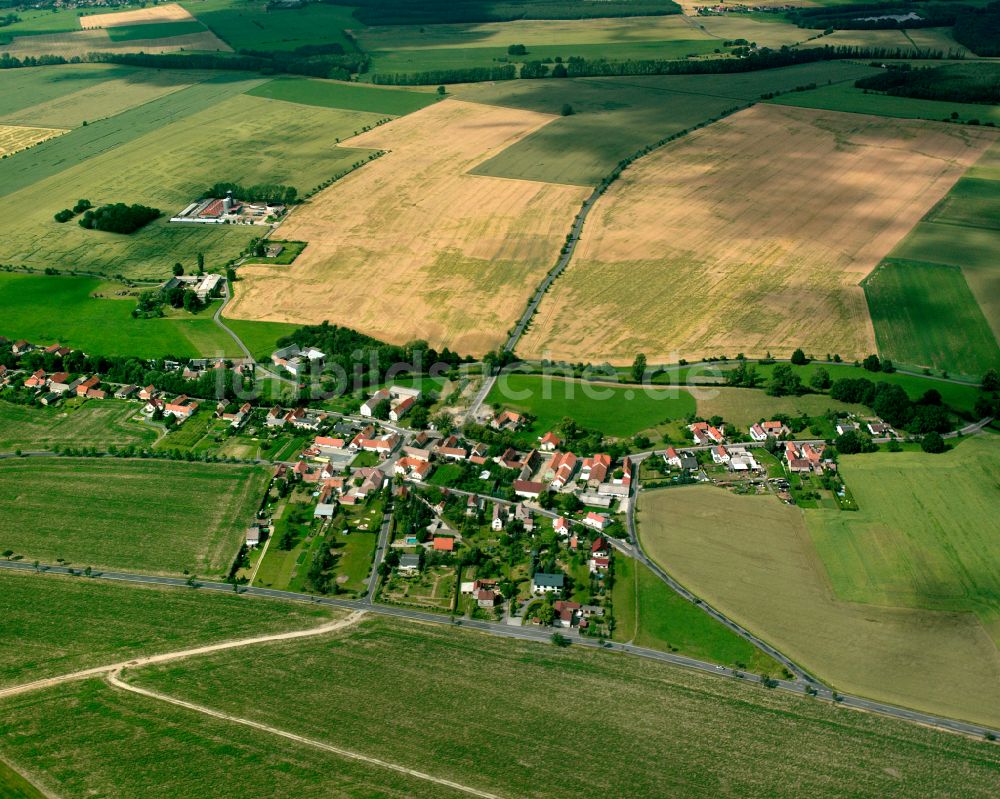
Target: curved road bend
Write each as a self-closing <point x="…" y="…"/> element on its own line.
<point x="543" y="635"/>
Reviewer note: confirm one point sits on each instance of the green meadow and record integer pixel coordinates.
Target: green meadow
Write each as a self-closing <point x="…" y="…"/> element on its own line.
<point x="214" y="130"/>
<point x="251" y="25"/>
<point x="615" y="117"/>
<point x="922" y="537"/>
<point x="663" y="732"/>
<point x="616" y="412"/>
<point x="73" y="423"/>
<point x="925" y="315"/>
<point x="154" y="30"/>
<point x="963" y="230"/>
<point x="345" y="96"/>
<point x="104" y="326"/>
<point x="163" y="517"/>
<point x="655" y="616"/>
<point x="90" y="739"/>
<point x="429" y="59"/>
<point x="113" y="622"/>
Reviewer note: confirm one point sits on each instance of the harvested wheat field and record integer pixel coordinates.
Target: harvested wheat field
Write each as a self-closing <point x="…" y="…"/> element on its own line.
<point x="171" y="12"/>
<point x="80" y="43"/>
<point x="409" y="246"/>
<point x="15" y="137"/>
<point x="749" y="236"/>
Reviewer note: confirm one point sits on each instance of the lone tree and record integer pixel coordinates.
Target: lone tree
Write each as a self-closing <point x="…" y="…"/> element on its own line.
<point x="639" y="368"/>
<point x="933" y="443"/>
<point x="872" y="364"/>
<point x="442" y="91"/>
<point x="820" y="379"/>
<point x="991" y="381"/>
<point x="517" y="49"/>
<point x="567" y="109"/>
<point x="799" y="358"/>
<point x="178" y="270"/>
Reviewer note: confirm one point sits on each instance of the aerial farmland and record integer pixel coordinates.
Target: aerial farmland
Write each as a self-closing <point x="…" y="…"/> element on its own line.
<point x="523" y="398"/>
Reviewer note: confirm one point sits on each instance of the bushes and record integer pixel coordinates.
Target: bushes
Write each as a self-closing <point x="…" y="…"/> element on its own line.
<point x="119" y="218"/>
<point x="63" y="216"/>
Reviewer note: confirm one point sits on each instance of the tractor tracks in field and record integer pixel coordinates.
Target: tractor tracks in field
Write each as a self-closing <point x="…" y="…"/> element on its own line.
<point x="114" y="679"/>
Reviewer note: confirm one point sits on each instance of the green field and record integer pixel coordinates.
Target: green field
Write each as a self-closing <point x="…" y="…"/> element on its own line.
<point x="260" y="337"/>
<point x="615" y="117"/>
<point x="753" y="558"/>
<point x="40" y="21"/>
<point x="250" y="25"/>
<point x="111" y="622"/>
<point x="14" y="786"/>
<point x="963" y="230"/>
<point x="349" y="97"/>
<point x="844" y="97"/>
<point x="150" y="516"/>
<point x="426" y="59"/>
<point x="213" y="130"/>
<point x="64" y="96"/>
<point x="104" y="326"/>
<point x="925" y="316"/>
<point x="921" y="538"/>
<point x="75" y="423"/>
<point x="616" y="412"/>
<point x="154" y="30"/>
<point x="663" y="732"/>
<point x="655" y="616"/>
<point x="89" y="739"/>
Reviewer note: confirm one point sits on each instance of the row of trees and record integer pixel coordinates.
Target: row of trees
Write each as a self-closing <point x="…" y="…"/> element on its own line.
<point x="272" y="193"/>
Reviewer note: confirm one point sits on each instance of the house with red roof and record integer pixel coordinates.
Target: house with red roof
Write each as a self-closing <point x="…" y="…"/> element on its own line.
<point x="561" y="469"/>
<point x="549" y="442"/>
<point x="596" y="520"/>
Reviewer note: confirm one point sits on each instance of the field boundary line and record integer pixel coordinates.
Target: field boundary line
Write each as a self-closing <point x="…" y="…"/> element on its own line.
<point x="113" y="678"/>
<point x="167" y="657"/>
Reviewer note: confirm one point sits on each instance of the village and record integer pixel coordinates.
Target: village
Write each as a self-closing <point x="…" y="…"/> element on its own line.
<point x="364" y="504"/>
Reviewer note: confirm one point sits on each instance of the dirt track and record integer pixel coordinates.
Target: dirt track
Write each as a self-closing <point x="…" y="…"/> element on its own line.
<point x="166" y="657"/>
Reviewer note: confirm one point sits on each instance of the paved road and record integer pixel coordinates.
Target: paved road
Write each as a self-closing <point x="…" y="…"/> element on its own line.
<point x="540" y="634"/>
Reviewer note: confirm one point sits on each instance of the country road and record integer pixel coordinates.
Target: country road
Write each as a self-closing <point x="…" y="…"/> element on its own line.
<point x="540" y="635"/>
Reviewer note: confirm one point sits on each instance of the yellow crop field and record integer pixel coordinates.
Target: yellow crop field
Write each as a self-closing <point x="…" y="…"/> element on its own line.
<point x="171" y="12"/>
<point x="80" y="43"/>
<point x="750" y="235"/>
<point x="15" y="137"/>
<point x="753" y="558"/>
<point x="410" y="246"/>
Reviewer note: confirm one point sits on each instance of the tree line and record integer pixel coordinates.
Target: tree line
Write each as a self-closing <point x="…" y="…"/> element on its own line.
<point x="424" y="12"/>
<point x="275" y="194"/>
<point x="961" y="83"/>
